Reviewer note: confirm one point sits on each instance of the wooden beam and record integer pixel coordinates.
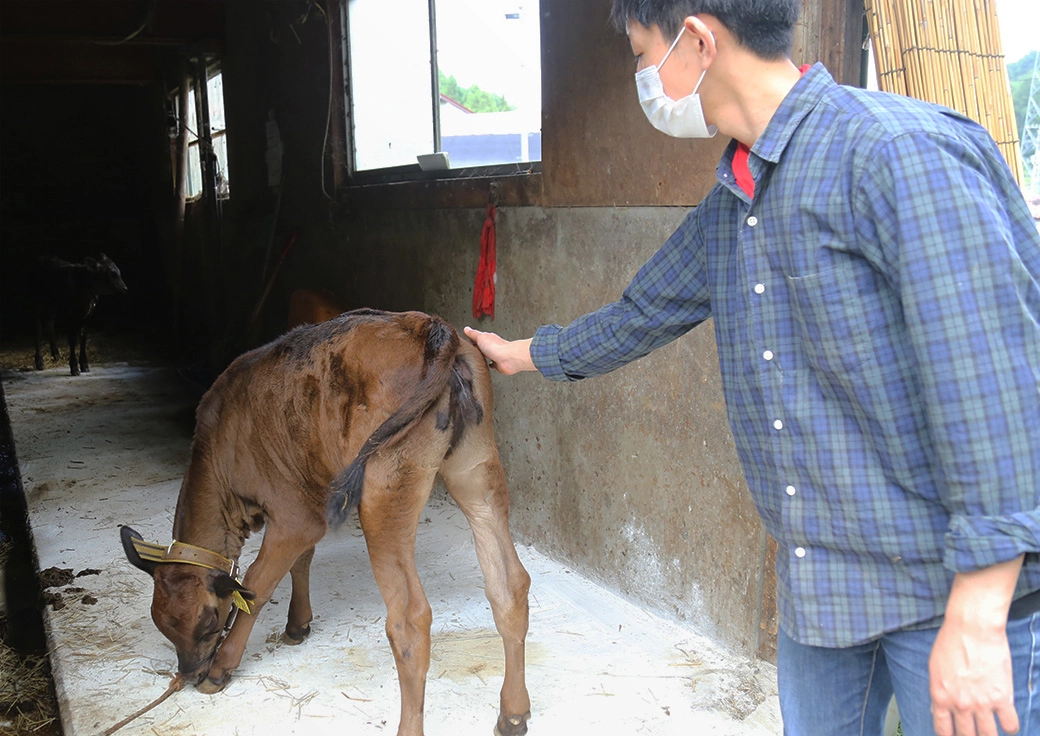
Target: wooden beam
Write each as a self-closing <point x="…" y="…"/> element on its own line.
<point x="43" y="63"/>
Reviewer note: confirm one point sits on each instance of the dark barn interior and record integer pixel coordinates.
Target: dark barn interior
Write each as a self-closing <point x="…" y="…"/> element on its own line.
<point x="631" y="480"/>
<point x="85" y="152"/>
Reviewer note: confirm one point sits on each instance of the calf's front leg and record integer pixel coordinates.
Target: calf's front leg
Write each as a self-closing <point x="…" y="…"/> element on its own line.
<point x="298" y="627"/>
<point x="73" y="363"/>
<point x="84" y="368"/>
<point x="278" y="554"/>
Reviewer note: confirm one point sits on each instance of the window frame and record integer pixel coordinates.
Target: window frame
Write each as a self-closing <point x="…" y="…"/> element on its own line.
<point x="212" y="70"/>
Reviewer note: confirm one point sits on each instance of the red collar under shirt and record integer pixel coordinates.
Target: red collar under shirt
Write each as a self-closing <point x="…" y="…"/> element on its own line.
<point x="741" y="171"/>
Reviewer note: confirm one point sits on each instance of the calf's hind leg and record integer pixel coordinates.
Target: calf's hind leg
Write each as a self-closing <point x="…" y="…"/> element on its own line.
<point x="390" y="510"/>
<point x="51" y="339"/>
<point x="474" y="477"/>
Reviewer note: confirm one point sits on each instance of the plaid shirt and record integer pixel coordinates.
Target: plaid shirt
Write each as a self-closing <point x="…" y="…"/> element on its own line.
<point x="877" y="312"/>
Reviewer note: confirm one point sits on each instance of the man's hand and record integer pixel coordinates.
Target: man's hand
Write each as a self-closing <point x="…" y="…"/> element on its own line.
<point x="970" y="664"/>
<point x="504" y="356"/>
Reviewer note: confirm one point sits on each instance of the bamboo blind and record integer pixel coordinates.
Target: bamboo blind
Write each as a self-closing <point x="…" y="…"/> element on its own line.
<point x="947" y="52"/>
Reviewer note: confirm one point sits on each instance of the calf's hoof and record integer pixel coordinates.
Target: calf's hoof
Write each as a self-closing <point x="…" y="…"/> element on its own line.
<point x="292" y="638"/>
<point x="512" y="725"/>
<point x="210" y="687"/>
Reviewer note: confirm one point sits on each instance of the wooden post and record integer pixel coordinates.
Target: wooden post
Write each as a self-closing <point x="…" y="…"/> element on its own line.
<point x="841" y="23"/>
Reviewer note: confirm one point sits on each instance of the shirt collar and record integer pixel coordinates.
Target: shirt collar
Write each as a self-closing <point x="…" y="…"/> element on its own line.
<point x="798" y="103"/>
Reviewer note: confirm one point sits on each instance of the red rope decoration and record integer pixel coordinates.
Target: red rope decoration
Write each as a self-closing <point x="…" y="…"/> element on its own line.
<point x="484" y="286"/>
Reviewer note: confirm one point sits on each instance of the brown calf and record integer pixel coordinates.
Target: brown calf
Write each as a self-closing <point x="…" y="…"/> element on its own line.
<point x="361" y="411"/>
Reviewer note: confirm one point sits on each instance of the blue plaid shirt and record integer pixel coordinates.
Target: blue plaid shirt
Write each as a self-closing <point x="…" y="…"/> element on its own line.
<point x="877" y="311"/>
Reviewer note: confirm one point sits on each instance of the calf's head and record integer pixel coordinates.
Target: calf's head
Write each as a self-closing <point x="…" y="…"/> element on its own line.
<point x="107" y="277"/>
<point x="191" y="602"/>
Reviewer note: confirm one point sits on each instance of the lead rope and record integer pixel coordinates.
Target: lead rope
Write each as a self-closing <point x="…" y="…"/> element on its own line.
<point x="175" y="684"/>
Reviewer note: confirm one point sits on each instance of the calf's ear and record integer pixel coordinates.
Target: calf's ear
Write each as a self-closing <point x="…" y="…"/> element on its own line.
<point x="225" y="585"/>
<point x="129" y="537"/>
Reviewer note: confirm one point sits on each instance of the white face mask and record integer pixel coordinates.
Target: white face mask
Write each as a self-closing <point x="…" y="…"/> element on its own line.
<point x="682" y="118"/>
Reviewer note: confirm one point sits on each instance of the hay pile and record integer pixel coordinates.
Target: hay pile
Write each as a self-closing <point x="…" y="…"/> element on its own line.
<point x="27" y="704"/>
<point x="26" y="700"/>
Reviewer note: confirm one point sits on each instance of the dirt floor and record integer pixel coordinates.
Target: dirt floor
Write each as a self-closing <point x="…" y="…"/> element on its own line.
<point x="28" y="704"/>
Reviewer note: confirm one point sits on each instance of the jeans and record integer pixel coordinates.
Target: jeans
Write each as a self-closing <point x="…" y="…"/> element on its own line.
<point x="846" y="692"/>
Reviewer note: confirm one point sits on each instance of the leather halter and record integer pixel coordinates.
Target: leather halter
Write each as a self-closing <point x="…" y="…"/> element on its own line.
<point x="187" y="554"/>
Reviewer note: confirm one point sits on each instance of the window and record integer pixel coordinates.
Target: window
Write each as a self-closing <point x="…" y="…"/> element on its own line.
<point x="460" y="78"/>
<point x="218" y="133"/>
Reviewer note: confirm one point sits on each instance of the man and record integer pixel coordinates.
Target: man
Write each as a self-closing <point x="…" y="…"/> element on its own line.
<point x="874" y="278"/>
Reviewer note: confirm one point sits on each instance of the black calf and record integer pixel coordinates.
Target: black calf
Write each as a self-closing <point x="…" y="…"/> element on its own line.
<point x="67" y="293"/>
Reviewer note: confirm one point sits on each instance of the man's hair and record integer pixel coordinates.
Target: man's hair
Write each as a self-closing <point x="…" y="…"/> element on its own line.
<point x="764" y="27"/>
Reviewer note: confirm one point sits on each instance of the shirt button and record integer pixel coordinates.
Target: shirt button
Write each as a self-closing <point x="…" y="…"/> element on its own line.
<point x="760" y="288"/>
<point x="752" y="221"/>
<point x="768" y="355"/>
<point x="799" y="551"/>
<point x="778" y="424"/>
<point x="790" y="490"/>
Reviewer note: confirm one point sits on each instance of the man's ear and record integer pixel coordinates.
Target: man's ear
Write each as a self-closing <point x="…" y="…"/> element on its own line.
<point x="128" y="535"/>
<point x="704" y="36"/>
<point x="224" y="585"/>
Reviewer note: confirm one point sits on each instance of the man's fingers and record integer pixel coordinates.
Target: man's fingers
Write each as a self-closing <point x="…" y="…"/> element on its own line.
<point x="942" y="721"/>
<point x="474" y="336"/>
<point x="950" y="723"/>
<point x="964" y="724"/>
<point x="1008" y="719"/>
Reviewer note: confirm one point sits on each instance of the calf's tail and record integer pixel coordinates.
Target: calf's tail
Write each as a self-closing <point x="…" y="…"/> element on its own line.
<point x="442" y="344"/>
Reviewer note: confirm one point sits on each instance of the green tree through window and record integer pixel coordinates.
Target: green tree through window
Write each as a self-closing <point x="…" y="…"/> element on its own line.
<point x="472" y="97"/>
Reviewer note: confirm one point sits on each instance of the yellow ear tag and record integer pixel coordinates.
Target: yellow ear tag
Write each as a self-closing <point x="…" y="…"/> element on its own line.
<point x="240" y="602"/>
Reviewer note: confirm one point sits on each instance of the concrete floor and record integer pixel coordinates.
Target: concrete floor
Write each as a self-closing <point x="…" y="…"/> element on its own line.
<point x="110" y="448"/>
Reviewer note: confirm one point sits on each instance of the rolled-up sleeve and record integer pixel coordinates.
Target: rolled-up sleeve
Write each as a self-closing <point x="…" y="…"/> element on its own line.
<point x="968" y="272"/>
<point x="668" y="297"/>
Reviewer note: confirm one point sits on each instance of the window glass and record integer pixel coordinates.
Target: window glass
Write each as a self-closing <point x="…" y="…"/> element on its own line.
<point x="485" y="77"/>
<point x="218" y="133"/>
<point x="488" y="57"/>
<point x="390" y="82"/>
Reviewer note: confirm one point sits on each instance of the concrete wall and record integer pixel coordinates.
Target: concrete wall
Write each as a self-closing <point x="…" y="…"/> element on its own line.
<point x="631" y="478"/>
